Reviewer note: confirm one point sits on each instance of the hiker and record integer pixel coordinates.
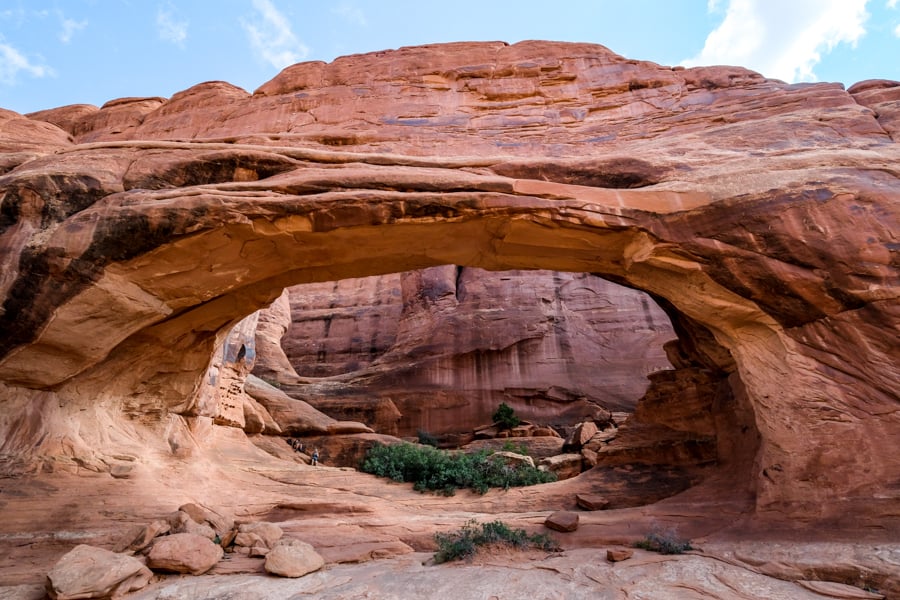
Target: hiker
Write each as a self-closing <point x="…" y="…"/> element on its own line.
<point x="315" y="457"/>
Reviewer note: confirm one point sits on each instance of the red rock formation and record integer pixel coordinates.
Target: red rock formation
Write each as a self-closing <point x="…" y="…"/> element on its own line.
<point x="761" y="216"/>
<point x="445" y="346"/>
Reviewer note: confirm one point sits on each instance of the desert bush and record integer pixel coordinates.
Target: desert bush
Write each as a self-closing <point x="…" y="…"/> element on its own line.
<point x="465" y="542"/>
<point x="444" y="472"/>
<point x="505" y="417"/>
<point x="664" y="543"/>
<point x="511" y="446"/>
<point x="426" y="438"/>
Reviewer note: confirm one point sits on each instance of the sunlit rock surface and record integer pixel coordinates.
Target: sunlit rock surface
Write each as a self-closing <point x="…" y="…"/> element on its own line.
<point x="761" y="217"/>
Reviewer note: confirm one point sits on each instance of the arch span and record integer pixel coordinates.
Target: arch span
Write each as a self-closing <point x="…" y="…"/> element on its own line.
<point x="762" y="215"/>
<point x="129" y="296"/>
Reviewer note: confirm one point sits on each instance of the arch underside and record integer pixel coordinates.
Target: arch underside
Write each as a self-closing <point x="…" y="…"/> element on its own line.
<point x="126" y="299"/>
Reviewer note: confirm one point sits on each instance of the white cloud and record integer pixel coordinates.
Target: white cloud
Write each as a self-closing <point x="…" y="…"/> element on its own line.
<point x="13" y="62"/>
<point x="351" y="13"/>
<point x="897" y="31"/>
<point x="272" y="38"/>
<point x="784" y="40"/>
<point x="69" y="27"/>
<point x="892" y="3"/>
<point x="169" y="27"/>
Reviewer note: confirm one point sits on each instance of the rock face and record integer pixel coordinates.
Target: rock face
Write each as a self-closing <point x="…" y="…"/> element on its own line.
<point x="760" y="216"/>
<point x="439" y="349"/>
<point x="89" y="572"/>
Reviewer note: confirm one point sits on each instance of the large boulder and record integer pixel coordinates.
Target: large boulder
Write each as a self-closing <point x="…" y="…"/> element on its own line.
<point x="581" y="435"/>
<point x="293" y="558"/>
<point x="90" y="572"/>
<point x="565" y="466"/>
<point x="294" y="417"/>
<point x="184" y="553"/>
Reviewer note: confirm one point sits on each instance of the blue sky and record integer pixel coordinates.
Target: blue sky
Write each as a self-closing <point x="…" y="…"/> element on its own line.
<point x="57" y="52"/>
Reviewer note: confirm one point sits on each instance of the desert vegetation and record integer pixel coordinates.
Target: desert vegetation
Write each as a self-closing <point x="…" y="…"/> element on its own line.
<point x="505" y="417"/>
<point x="444" y="472"/>
<point x="466" y="541"/>
<point x="664" y="543"/>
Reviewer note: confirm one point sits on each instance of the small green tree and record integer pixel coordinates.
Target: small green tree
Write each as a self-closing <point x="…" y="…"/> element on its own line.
<point x="505" y="417"/>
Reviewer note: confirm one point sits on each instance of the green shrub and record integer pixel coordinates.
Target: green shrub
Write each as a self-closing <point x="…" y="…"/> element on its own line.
<point x="444" y="472"/>
<point x="465" y="542"/>
<point x="505" y="417"/>
<point x="664" y="543"/>
<point x="511" y="446"/>
<point x="426" y="438"/>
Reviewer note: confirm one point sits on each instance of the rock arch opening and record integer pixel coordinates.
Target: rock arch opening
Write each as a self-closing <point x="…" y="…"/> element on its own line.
<point x="249" y="250"/>
<point x="562" y="349"/>
<point x="193" y="270"/>
<point x="196" y="260"/>
<point x="446" y="345"/>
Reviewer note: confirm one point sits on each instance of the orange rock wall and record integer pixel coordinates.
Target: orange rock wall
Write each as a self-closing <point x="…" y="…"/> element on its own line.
<point x="448" y="344"/>
<point x="761" y="215"/>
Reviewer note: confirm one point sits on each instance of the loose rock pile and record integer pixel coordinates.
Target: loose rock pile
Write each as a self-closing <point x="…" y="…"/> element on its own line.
<point x="191" y="540"/>
<point x="566" y="456"/>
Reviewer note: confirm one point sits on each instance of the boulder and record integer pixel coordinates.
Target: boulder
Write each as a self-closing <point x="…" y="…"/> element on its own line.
<point x="591" y="502"/>
<point x="140" y="536"/>
<point x="294" y="417"/>
<point x="582" y="434"/>
<point x="257" y="419"/>
<point x="600" y="439"/>
<point x="563" y="520"/>
<point x="513" y="459"/>
<point x="544" y="432"/>
<point x="184" y="553"/>
<point x="89" y="572"/>
<point x="121" y="471"/>
<point x="221" y="523"/>
<point x="260" y="536"/>
<point x="565" y="466"/>
<point x="589" y="458"/>
<point x="619" y="554"/>
<point x="293" y="558"/>
<point x="181" y="522"/>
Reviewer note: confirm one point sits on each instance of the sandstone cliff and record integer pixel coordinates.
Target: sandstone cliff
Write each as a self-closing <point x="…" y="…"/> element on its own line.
<point x="446" y="345"/>
<point x="761" y="216"/>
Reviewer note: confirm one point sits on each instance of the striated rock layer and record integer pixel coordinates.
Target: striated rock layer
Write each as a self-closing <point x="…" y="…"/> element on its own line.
<point x="761" y="216"/>
<point x="446" y="345"/>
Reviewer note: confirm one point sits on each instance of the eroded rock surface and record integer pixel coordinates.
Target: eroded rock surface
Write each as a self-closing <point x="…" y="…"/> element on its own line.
<point x="760" y="216"/>
<point x="439" y="349"/>
<point x="89" y="572"/>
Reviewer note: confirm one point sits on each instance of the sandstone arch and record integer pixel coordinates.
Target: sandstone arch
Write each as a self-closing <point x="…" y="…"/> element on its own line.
<point x="126" y="260"/>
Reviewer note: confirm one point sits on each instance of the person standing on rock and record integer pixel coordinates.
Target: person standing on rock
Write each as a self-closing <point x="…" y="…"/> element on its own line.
<point x="315" y="457"/>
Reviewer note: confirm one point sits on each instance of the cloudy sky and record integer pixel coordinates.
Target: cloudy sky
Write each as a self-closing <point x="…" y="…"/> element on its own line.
<point x="57" y="52"/>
